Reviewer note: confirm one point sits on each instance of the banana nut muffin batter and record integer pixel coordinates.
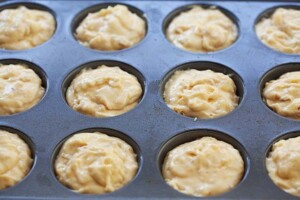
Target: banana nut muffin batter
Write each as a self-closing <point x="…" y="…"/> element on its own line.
<point x="20" y="88"/>
<point x="203" y="167"/>
<point x="281" y="31"/>
<point x="95" y="163"/>
<point x="15" y="157"/>
<point x="24" y="28"/>
<point x="283" y="163"/>
<point x="202" y="30"/>
<point x="283" y="95"/>
<point x="112" y="28"/>
<point x="201" y="94"/>
<point x="104" y="92"/>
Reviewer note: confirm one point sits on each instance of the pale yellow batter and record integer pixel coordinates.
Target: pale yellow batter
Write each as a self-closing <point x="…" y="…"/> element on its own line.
<point x="113" y="28"/>
<point x="15" y="157"/>
<point x="202" y="30"/>
<point x="20" y="88"/>
<point x="24" y="28"/>
<point x="202" y="94"/>
<point x="283" y="164"/>
<point x="104" y="92"/>
<point x="281" y="31"/>
<point x="94" y="163"/>
<point x="204" y="167"/>
<point x="283" y="95"/>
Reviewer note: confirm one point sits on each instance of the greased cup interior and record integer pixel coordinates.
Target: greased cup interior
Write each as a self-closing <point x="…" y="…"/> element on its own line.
<point x="26" y="139"/>
<point x="37" y="70"/>
<point x="206" y="65"/>
<point x="175" y="13"/>
<point x="35" y="6"/>
<point x="95" y="8"/>
<point x="109" y="63"/>
<point x="274" y="74"/>
<point x="283" y="167"/>
<point x="266" y="14"/>
<point x="192" y="135"/>
<point x="108" y="162"/>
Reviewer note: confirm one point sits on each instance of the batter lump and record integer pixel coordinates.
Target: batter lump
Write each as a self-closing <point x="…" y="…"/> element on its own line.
<point x="202" y="30"/>
<point x="104" y="92"/>
<point x="283" y="95"/>
<point x="20" y="88"/>
<point x="23" y="28"/>
<point x="15" y="157"/>
<point x="283" y="165"/>
<point x="112" y="28"/>
<point x="202" y="94"/>
<point x="95" y="163"/>
<point x="204" y="167"/>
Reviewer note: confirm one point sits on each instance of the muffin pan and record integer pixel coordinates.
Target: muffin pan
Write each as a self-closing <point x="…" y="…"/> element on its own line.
<point x="151" y="127"/>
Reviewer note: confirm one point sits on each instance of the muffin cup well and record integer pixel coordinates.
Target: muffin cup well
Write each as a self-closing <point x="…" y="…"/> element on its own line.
<point x="267" y="14"/>
<point x="110" y="63"/>
<point x="37" y="69"/>
<point x="274" y="74"/>
<point x="191" y="135"/>
<point x="31" y="146"/>
<point x="206" y="65"/>
<point x="92" y="9"/>
<point x="35" y="6"/>
<point x="109" y="132"/>
<point x="185" y="8"/>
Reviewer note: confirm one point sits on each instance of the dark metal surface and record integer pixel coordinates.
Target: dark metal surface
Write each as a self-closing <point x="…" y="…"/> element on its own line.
<point x="251" y="127"/>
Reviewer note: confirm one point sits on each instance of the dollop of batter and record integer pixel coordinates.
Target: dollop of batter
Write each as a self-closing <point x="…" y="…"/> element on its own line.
<point x="204" y="167"/>
<point x="283" y="164"/>
<point x="20" y="88"/>
<point x="113" y="28"/>
<point x="283" y="95"/>
<point x="202" y="94"/>
<point x="15" y="157"/>
<point x="202" y="30"/>
<point x="94" y="163"/>
<point x="24" y="28"/>
<point x="281" y="31"/>
<point x="104" y="92"/>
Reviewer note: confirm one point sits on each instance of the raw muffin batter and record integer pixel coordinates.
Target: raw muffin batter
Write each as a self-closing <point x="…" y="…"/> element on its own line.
<point x="204" y="167"/>
<point x="202" y="30"/>
<point x="23" y="28"/>
<point x="15" y="157"/>
<point x="283" y="95"/>
<point x="113" y="28"/>
<point x="281" y="31"/>
<point x="202" y="94"/>
<point x="94" y="163"/>
<point x="20" y="88"/>
<point x="104" y="92"/>
<point x="283" y="164"/>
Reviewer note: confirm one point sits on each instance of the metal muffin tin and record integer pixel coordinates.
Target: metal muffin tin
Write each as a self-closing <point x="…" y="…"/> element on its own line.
<point x="151" y="128"/>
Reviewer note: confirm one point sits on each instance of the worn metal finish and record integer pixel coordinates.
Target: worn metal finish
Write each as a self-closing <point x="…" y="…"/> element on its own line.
<point x="251" y="127"/>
